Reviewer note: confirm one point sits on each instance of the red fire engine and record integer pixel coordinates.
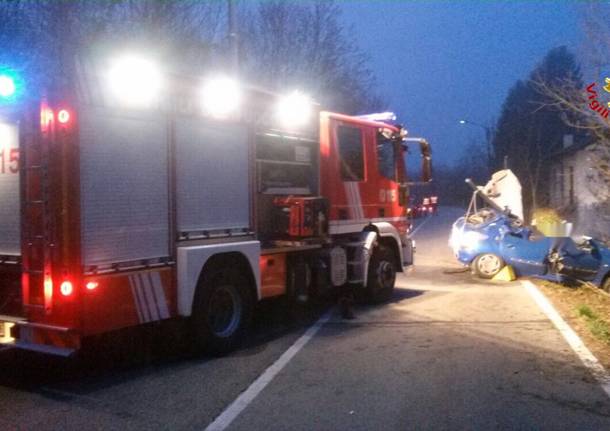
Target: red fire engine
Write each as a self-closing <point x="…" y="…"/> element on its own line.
<point x="117" y="213"/>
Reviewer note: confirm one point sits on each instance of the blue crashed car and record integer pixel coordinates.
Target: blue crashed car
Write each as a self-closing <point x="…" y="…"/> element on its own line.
<point x="490" y="238"/>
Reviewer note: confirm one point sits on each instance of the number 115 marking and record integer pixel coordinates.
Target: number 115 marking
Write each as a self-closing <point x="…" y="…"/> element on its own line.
<point x="9" y="160"/>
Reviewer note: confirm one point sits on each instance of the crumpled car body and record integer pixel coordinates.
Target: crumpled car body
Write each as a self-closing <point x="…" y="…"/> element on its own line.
<point x="490" y="232"/>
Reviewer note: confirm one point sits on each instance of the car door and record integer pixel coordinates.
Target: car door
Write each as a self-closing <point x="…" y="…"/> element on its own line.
<point x="527" y="255"/>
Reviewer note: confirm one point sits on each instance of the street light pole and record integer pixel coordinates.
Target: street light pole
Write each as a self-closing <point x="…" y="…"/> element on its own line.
<point x="487" y="130"/>
<point x="233" y="42"/>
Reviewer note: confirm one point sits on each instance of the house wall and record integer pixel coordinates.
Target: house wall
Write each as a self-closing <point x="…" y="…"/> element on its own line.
<point x="570" y="192"/>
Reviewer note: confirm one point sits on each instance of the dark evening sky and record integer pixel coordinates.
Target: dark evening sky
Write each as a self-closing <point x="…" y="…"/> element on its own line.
<point x="437" y="62"/>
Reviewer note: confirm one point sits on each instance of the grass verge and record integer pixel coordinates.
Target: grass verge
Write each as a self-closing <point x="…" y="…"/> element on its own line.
<point x="587" y="311"/>
<point x="598" y="326"/>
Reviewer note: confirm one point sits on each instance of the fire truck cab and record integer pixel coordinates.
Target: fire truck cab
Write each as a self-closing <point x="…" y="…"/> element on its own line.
<point x="117" y="214"/>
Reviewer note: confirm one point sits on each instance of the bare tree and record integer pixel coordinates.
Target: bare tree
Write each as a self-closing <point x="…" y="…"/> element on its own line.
<point x="284" y="44"/>
<point x="303" y="45"/>
<point x="578" y="103"/>
<point x="582" y="107"/>
<point x="42" y="37"/>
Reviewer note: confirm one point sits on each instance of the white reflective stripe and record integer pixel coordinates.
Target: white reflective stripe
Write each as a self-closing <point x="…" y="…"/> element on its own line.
<point x="359" y="207"/>
<point x="155" y="278"/>
<point x="366" y="221"/>
<point x="146" y="277"/>
<point x="140" y="290"/>
<point x="352" y="192"/>
<point x="136" y="298"/>
<point x="150" y="298"/>
<point x="143" y="306"/>
<point x="350" y="199"/>
<point x="338" y="227"/>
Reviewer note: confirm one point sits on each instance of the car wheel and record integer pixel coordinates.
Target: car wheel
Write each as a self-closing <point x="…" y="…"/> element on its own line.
<point x="487" y="265"/>
<point x="381" y="275"/>
<point x="221" y="310"/>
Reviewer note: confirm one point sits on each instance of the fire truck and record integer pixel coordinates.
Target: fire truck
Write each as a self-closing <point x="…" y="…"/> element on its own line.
<point x="131" y="197"/>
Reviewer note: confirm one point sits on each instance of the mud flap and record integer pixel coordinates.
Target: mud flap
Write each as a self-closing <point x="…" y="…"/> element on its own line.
<point x="408" y="252"/>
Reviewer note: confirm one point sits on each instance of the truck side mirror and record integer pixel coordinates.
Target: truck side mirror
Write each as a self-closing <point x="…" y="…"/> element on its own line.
<point x="426" y="162"/>
<point x="426" y="169"/>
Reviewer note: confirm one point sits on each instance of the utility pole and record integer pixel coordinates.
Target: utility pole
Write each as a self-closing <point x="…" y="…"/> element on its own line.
<point x="488" y="136"/>
<point x="233" y="40"/>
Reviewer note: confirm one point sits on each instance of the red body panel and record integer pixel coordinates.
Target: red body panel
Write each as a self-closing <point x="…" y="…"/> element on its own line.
<point x="375" y="196"/>
<point x="127" y="299"/>
<point x="273" y="275"/>
<point x="50" y="218"/>
<point x="51" y="247"/>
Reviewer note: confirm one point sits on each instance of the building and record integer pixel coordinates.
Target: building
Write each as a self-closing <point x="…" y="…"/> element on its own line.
<point x="575" y="193"/>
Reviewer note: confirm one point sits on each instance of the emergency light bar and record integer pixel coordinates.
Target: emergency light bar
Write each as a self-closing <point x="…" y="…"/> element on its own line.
<point x="7" y="86"/>
<point x="135" y="81"/>
<point x="294" y="109"/>
<point x="383" y="117"/>
<point x="221" y="96"/>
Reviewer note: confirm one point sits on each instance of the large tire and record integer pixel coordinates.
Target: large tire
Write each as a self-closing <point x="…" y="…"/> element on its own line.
<point x="222" y="310"/>
<point x="381" y="275"/>
<point x="487" y="265"/>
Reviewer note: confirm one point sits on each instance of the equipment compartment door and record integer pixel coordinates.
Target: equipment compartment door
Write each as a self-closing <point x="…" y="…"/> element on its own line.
<point x="212" y="176"/>
<point x="124" y="186"/>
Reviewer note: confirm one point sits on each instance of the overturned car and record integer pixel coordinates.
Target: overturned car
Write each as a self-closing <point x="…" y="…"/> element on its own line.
<point x="491" y="237"/>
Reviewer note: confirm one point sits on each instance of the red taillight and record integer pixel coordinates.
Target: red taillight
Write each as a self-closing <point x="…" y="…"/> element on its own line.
<point x="46" y="118"/>
<point x="92" y="285"/>
<point x="63" y="116"/>
<point x="66" y="288"/>
<point x="48" y="291"/>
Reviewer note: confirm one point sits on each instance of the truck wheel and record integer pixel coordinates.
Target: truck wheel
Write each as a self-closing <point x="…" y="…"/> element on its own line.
<point x="381" y="275"/>
<point x="222" y="310"/>
<point x="487" y="265"/>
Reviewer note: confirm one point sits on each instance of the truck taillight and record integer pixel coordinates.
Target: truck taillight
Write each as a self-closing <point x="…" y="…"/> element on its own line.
<point x="91" y="285"/>
<point x="66" y="288"/>
<point x="63" y="116"/>
<point x="46" y="118"/>
<point x="48" y="292"/>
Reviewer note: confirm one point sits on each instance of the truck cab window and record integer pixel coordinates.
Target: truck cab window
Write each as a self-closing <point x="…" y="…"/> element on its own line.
<point x="386" y="157"/>
<point x="351" y="153"/>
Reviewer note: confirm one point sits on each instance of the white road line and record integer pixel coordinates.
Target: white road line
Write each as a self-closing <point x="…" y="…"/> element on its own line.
<point x="412" y="234"/>
<point x="584" y="354"/>
<point x="245" y="398"/>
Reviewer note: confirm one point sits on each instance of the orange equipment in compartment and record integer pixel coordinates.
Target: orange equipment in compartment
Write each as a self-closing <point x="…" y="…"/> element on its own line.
<point x="301" y="217"/>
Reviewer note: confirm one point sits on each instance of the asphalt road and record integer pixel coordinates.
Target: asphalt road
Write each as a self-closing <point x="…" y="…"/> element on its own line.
<point x="448" y="352"/>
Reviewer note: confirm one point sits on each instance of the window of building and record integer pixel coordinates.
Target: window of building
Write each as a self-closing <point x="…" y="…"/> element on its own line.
<point x="351" y="153"/>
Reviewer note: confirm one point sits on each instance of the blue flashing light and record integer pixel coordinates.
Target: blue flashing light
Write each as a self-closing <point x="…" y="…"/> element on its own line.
<point x="11" y="86"/>
<point x="7" y="86"/>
